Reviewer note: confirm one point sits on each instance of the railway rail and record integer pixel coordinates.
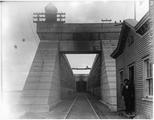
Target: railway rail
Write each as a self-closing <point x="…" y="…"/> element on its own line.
<point x="81" y="108"/>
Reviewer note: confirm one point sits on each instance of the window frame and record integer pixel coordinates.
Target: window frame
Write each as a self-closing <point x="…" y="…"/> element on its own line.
<point x="130" y="40"/>
<point x="121" y="80"/>
<point x="146" y="93"/>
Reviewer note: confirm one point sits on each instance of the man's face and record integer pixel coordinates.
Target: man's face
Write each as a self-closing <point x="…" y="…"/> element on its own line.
<point x="126" y="82"/>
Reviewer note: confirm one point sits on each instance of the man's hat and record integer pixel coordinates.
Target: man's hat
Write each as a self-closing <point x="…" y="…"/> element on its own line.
<point x="126" y="80"/>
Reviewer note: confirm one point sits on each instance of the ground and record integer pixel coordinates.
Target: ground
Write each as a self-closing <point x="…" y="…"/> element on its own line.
<point x="84" y="106"/>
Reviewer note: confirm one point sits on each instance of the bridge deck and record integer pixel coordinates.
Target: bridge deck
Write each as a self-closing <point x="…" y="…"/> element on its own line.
<point x="81" y="109"/>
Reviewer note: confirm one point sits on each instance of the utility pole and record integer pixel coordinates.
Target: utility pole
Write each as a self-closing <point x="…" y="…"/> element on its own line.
<point x="61" y="17"/>
<point x="135" y="9"/>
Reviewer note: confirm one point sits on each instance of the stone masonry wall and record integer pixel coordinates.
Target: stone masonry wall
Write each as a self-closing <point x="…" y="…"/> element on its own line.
<point x="42" y="87"/>
<point x="108" y="76"/>
<point x="67" y="79"/>
<point x="94" y="77"/>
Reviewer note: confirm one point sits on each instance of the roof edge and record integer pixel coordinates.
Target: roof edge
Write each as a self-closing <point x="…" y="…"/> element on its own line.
<point x="142" y="21"/>
<point x="121" y="41"/>
<point x="119" y="49"/>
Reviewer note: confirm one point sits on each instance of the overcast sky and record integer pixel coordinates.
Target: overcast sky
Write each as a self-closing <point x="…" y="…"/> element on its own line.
<point x="18" y="25"/>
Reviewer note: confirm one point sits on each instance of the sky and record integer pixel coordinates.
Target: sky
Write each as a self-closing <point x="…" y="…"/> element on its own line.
<point x="17" y="24"/>
<point x="81" y="61"/>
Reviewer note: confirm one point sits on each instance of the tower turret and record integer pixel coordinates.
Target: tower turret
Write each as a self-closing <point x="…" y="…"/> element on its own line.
<point x="51" y="13"/>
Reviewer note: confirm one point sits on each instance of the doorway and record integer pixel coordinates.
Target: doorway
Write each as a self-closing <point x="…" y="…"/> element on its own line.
<point x="131" y="78"/>
<point x="81" y="86"/>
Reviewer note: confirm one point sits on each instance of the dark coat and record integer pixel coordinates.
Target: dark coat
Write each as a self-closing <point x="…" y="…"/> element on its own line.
<point x="127" y="91"/>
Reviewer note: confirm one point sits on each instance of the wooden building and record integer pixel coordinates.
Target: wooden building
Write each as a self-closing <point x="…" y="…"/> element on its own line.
<point x="134" y="61"/>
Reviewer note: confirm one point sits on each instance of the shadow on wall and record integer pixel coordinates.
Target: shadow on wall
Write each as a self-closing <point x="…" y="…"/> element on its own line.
<point x="67" y="79"/>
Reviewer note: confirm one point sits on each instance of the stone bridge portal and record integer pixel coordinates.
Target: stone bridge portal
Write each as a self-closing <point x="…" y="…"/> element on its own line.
<point x="51" y="79"/>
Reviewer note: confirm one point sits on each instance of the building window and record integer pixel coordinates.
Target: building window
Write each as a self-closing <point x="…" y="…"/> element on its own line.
<point x="148" y="77"/>
<point x="121" y="80"/>
<point x="130" y="40"/>
<point x="144" y="28"/>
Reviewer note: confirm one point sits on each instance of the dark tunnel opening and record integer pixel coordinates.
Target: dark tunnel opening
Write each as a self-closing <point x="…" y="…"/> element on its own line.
<point x="86" y="68"/>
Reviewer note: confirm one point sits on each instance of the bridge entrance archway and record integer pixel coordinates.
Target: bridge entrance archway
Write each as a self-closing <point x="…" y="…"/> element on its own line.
<point x="51" y="78"/>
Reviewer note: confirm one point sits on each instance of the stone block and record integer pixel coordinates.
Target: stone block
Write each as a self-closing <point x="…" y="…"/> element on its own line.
<point x="37" y="86"/>
<point x="36" y="93"/>
<point x="35" y="73"/>
<point x="34" y="100"/>
<point x="38" y="108"/>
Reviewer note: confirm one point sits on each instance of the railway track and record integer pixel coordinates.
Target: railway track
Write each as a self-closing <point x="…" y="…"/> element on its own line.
<point x="81" y="108"/>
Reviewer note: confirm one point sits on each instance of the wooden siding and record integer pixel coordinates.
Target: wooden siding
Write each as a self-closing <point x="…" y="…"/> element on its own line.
<point x="141" y="47"/>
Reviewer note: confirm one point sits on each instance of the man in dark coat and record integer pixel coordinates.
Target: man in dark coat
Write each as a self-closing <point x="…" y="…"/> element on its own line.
<point x="127" y="94"/>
